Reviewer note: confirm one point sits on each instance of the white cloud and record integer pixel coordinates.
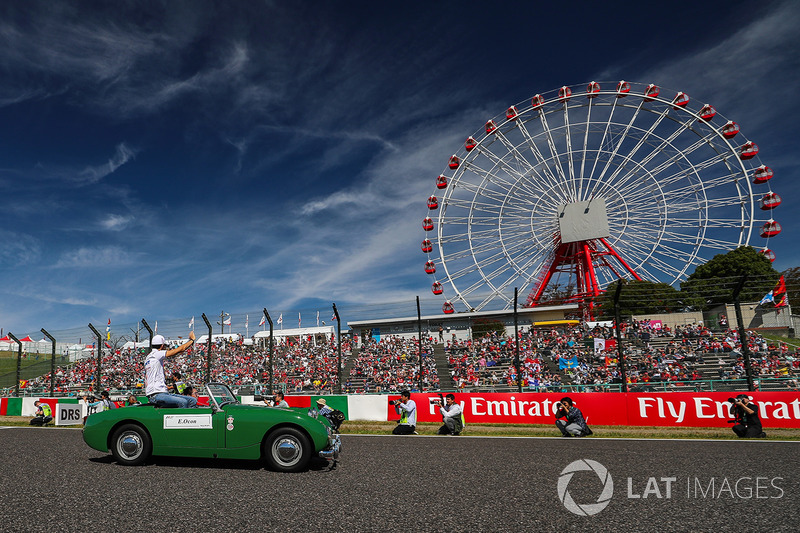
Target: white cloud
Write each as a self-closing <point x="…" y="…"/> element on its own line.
<point x="116" y="222"/>
<point x="93" y="174"/>
<point x="98" y="257"/>
<point x="18" y="248"/>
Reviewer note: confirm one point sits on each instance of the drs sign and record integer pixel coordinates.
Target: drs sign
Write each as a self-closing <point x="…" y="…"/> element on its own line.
<point x="68" y="414"/>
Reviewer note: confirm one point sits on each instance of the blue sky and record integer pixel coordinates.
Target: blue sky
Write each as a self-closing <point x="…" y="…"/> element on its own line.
<point x="168" y="159"/>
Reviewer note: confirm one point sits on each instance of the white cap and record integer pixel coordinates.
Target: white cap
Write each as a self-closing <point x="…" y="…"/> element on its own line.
<point x="158" y="340"/>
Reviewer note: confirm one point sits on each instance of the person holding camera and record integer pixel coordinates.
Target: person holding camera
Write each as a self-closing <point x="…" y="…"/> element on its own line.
<point x="44" y="414"/>
<point x="452" y="416"/>
<point x="747" y="422"/>
<point x="573" y="425"/>
<point x="278" y="400"/>
<point x="407" y="409"/>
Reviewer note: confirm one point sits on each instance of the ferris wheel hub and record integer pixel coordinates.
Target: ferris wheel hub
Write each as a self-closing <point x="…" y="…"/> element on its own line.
<point x="583" y="221"/>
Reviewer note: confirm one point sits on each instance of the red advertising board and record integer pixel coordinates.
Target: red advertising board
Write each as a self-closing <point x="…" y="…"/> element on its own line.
<point x="777" y="409"/>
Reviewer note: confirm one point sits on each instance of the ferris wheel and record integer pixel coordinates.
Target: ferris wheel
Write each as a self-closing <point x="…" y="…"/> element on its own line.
<point x="587" y="184"/>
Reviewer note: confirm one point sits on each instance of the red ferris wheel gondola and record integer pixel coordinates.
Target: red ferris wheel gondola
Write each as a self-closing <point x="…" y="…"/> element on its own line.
<point x="651" y="92"/>
<point x="427" y="246"/>
<point x="592" y="89"/>
<point x="748" y="150"/>
<point x="623" y="88"/>
<point x="707" y="113"/>
<point x="427" y="223"/>
<point x="681" y="100"/>
<point x="469" y="144"/>
<point x="433" y="203"/>
<point x="769" y="254"/>
<point x="490" y="126"/>
<point x="430" y="267"/>
<point x="437" y="288"/>
<point x="730" y="130"/>
<point x="447" y="308"/>
<point x="769" y="201"/>
<point x="512" y="113"/>
<point x="770" y="228"/>
<point x="762" y="175"/>
<point x="454" y="162"/>
<point x="441" y="182"/>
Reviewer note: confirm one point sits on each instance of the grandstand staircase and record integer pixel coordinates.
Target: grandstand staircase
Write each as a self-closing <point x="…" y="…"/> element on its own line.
<point x="442" y="368"/>
<point x="348" y="366"/>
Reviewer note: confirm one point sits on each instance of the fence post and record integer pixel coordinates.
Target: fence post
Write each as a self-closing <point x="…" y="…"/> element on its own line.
<point x="743" y="333"/>
<point x="208" y="348"/>
<point x="52" y="362"/>
<point x="150" y="331"/>
<point x="271" y="366"/>
<point x="19" y="362"/>
<point x="419" y="332"/>
<point x="339" y="341"/>
<point x="97" y="373"/>
<point x="516" y="338"/>
<point x="620" y="351"/>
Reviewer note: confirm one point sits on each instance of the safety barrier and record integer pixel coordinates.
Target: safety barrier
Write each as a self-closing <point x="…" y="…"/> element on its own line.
<point x="684" y="409"/>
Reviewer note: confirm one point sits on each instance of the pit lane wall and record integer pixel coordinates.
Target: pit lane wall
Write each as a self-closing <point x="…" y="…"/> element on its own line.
<point x="711" y="409"/>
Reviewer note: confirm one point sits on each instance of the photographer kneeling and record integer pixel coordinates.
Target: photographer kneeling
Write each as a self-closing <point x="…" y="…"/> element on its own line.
<point x="451" y="416"/>
<point x="574" y="424"/>
<point x="747" y="422"/>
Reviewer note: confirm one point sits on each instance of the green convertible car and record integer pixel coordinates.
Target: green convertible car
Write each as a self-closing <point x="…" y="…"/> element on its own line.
<point x="284" y="438"/>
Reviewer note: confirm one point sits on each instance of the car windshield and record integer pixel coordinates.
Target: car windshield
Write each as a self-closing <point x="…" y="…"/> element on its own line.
<point x="220" y="393"/>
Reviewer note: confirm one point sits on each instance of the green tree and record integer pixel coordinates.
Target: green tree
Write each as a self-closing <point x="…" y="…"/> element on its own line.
<point x="639" y="298"/>
<point x="713" y="283"/>
<point x="792" y="278"/>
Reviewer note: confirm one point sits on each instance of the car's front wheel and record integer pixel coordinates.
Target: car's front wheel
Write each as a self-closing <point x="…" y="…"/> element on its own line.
<point x="131" y="445"/>
<point x="287" y="450"/>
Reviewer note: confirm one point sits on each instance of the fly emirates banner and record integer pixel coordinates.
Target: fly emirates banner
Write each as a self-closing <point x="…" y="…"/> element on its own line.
<point x="709" y="409"/>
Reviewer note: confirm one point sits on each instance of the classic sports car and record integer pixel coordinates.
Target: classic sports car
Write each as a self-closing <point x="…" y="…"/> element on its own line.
<point x="285" y="438"/>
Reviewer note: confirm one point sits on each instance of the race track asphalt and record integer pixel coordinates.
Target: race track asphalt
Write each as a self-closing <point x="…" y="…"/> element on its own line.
<point x="52" y="481"/>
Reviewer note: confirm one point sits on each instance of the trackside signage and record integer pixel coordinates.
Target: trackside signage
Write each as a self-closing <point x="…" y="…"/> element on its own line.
<point x="712" y="409"/>
<point x="68" y="414"/>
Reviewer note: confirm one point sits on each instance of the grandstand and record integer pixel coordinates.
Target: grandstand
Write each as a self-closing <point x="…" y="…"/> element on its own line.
<point x="554" y="355"/>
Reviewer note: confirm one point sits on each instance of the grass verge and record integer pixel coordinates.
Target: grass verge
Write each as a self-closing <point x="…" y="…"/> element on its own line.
<point x="358" y="427"/>
<point x="361" y="427"/>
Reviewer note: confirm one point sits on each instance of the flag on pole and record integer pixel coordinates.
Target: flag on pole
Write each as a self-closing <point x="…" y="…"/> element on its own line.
<point x="776" y="296"/>
<point x="191" y="323"/>
<point x="156" y="330"/>
<point x="280" y="319"/>
<point x="317" y="318"/>
<point x="246" y="321"/>
<point x="567" y="363"/>
<point x="769" y="297"/>
<point x="263" y="320"/>
<point x="108" y="330"/>
<point x="227" y="321"/>
<point x="779" y="293"/>
<point x="299" y="320"/>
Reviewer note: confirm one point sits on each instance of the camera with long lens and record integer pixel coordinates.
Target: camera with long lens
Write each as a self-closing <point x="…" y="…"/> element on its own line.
<point x="732" y="400"/>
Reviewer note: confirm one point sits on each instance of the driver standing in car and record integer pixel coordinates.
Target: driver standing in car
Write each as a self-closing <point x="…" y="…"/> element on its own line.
<point x="155" y="384"/>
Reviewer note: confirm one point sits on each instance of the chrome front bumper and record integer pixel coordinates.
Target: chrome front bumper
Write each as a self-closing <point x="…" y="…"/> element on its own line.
<point x="331" y="453"/>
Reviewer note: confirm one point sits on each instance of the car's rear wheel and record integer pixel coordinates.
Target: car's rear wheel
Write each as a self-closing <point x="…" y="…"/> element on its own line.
<point x="287" y="450"/>
<point x="131" y="445"/>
